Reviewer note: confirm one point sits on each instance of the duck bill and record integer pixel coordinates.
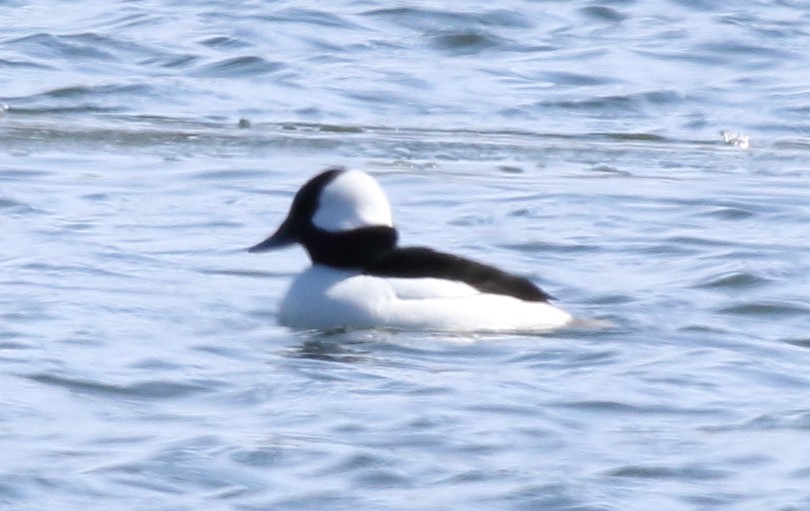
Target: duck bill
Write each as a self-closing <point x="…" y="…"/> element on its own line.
<point x="283" y="237"/>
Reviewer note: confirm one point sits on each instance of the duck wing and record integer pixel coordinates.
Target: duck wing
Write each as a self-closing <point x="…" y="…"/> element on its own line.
<point x="422" y="262"/>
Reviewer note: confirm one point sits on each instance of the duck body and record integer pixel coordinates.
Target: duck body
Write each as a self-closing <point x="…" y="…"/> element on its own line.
<point x="360" y="278"/>
<point x="327" y="298"/>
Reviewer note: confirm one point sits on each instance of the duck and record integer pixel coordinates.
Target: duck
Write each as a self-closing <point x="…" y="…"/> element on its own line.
<point x="361" y="278"/>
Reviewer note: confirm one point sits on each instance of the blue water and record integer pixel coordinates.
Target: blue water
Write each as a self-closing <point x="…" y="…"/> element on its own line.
<point x="645" y="162"/>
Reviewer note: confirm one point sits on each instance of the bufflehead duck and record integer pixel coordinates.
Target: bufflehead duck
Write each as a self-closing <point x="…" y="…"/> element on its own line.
<point x="360" y="278"/>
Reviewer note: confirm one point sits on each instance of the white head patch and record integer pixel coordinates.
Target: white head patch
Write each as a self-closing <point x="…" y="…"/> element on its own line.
<point x="352" y="200"/>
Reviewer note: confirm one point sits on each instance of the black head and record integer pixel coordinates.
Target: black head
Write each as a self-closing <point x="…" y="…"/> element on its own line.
<point x="341" y="217"/>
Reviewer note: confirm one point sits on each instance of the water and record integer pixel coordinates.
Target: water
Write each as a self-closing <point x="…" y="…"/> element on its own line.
<point x="144" y="145"/>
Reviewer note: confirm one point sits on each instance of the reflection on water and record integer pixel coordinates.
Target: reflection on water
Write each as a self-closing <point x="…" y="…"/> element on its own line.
<point x="331" y="347"/>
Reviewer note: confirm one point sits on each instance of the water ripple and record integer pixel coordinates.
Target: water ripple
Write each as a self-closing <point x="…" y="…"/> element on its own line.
<point x="248" y="65"/>
<point x="735" y="280"/>
<point x="788" y="420"/>
<point x="769" y="309"/>
<point x="662" y="472"/>
<point x="466" y="42"/>
<point x="140" y="390"/>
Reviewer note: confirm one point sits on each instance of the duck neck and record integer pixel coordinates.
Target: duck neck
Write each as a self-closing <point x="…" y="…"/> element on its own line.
<point x="356" y="248"/>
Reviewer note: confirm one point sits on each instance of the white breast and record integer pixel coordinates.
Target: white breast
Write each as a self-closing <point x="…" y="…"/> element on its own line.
<point x="326" y="298"/>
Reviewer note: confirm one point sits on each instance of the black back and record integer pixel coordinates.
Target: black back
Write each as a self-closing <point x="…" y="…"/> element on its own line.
<point x="419" y="262"/>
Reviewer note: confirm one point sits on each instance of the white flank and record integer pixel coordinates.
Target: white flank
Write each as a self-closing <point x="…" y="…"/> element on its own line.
<point x="326" y="298"/>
